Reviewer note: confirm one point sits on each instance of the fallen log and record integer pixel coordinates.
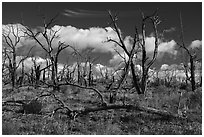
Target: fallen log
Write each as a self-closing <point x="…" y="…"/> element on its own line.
<point x="85" y="111"/>
<point x="162" y="113"/>
<point x="75" y="113"/>
<point x="130" y="107"/>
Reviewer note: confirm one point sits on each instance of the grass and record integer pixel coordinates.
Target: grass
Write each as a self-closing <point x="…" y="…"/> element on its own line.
<point x="110" y="122"/>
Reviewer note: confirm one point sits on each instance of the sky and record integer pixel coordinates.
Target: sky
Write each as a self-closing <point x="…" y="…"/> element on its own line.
<point x="85" y="25"/>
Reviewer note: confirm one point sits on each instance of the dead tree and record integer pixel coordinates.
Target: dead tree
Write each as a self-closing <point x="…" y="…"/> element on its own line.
<point x="12" y="45"/>
<point x="48" y="64"/>
<point x="4" y="58"/>
<point x="5" y="67"/>
<point x="146" y="63"/>
<point x="200" y="70"/>
<point x="49" y="36"/>
<point x="37" y="71"/>
<point x="78" y="74"/>
<point x="90" y="70"/>
<point x="21" y="77"/>
<point x="192" y="56"/>
<point x="12" y="37"/>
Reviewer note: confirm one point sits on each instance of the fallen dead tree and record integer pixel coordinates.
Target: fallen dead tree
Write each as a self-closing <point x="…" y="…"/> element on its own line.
<point x="35" y="106"/>
<point x="165" y="115"/>
<point x="162" y="113"/>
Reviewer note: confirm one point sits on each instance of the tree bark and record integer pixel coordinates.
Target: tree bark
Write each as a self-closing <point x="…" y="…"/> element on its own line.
<point x="193" y="87"/>
<point x="135" y="79"/>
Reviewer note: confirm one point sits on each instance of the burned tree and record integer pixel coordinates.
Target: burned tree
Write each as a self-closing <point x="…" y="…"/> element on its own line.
<point x="12" y="45"/>
<point x="12" y="35"/>
<point x="49" y="35"/>
<point x="36" y="72"/>
<point x="138" y="45"/>
<point x="191" y="55"/>
<point x="90" y="62"/>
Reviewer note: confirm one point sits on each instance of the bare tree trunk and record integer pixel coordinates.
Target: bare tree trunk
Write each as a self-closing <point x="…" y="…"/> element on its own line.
<point x="193" y="87"/>
<point x="79" y="74"/>
<point x="22" y="74"/>
<point x="48" y="69"/>
<point x="37" y="75"/>
<point x="135" y="79"/>
<point x="56" y="69"/>
<point x="13" y="75"/>
<point x="201" y="76"/>
<point x="191" y="57"/>
<point x="32" y="76"/>
<point x="49" y="35"/>
<point x="90" y="75"/>
<point x="154" y="19"/>
<point x="200" y="80"/>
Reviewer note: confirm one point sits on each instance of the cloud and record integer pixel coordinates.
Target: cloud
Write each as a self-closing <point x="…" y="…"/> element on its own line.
<point x="101" y="69"/>
<point x="81" y="13"/>
<point x="164" y="47"/>
<point x="174" y="70"/>
<point x="84" y="13"/>
<point x="81" y="39"/>
<point x="117" y="59"/>
<point x="196" y="44"/>
<point x="95" y="38"/>
<point x="28" y="63"/>
<point x="98" y="70"/>
<point x="164" y="67"/>
<point x="177" y="71"/>
<point x="87" y="38"/>
<point x="172" y="29"/>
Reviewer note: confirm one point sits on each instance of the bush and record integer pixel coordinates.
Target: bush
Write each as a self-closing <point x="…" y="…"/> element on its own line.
<point x="33" y="107"/>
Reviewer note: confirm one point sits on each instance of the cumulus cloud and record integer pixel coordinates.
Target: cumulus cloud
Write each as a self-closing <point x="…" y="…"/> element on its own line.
<point x="86" y="38"/>
<point x="93" y="37"/>
<point x="196" y="44"/>
<point x="118" y="59"/>
<point x="98" y="70"/>
<point x="164" y="47"/>
<point x="29" y="62"/>
<point x="177" y="71"/>
<point x="164" y="67"/>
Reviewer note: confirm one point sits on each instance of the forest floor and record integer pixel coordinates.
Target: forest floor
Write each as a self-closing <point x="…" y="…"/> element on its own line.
<point x="105" y="122"/>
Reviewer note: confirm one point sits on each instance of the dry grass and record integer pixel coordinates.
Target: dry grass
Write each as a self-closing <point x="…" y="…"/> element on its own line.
<point x="110" y="122"/>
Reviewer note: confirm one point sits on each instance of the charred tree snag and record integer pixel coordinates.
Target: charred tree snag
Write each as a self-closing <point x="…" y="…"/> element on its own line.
<point x="12" y="36"/>
<point x="49" y="36"/>
<point x="191" y="56"/>
<point x="146" y="63"/>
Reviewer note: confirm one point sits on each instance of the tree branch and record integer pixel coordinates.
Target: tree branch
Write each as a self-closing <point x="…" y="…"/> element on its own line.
<point x="91" y="88"/>
<point x="122" y="45"/>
